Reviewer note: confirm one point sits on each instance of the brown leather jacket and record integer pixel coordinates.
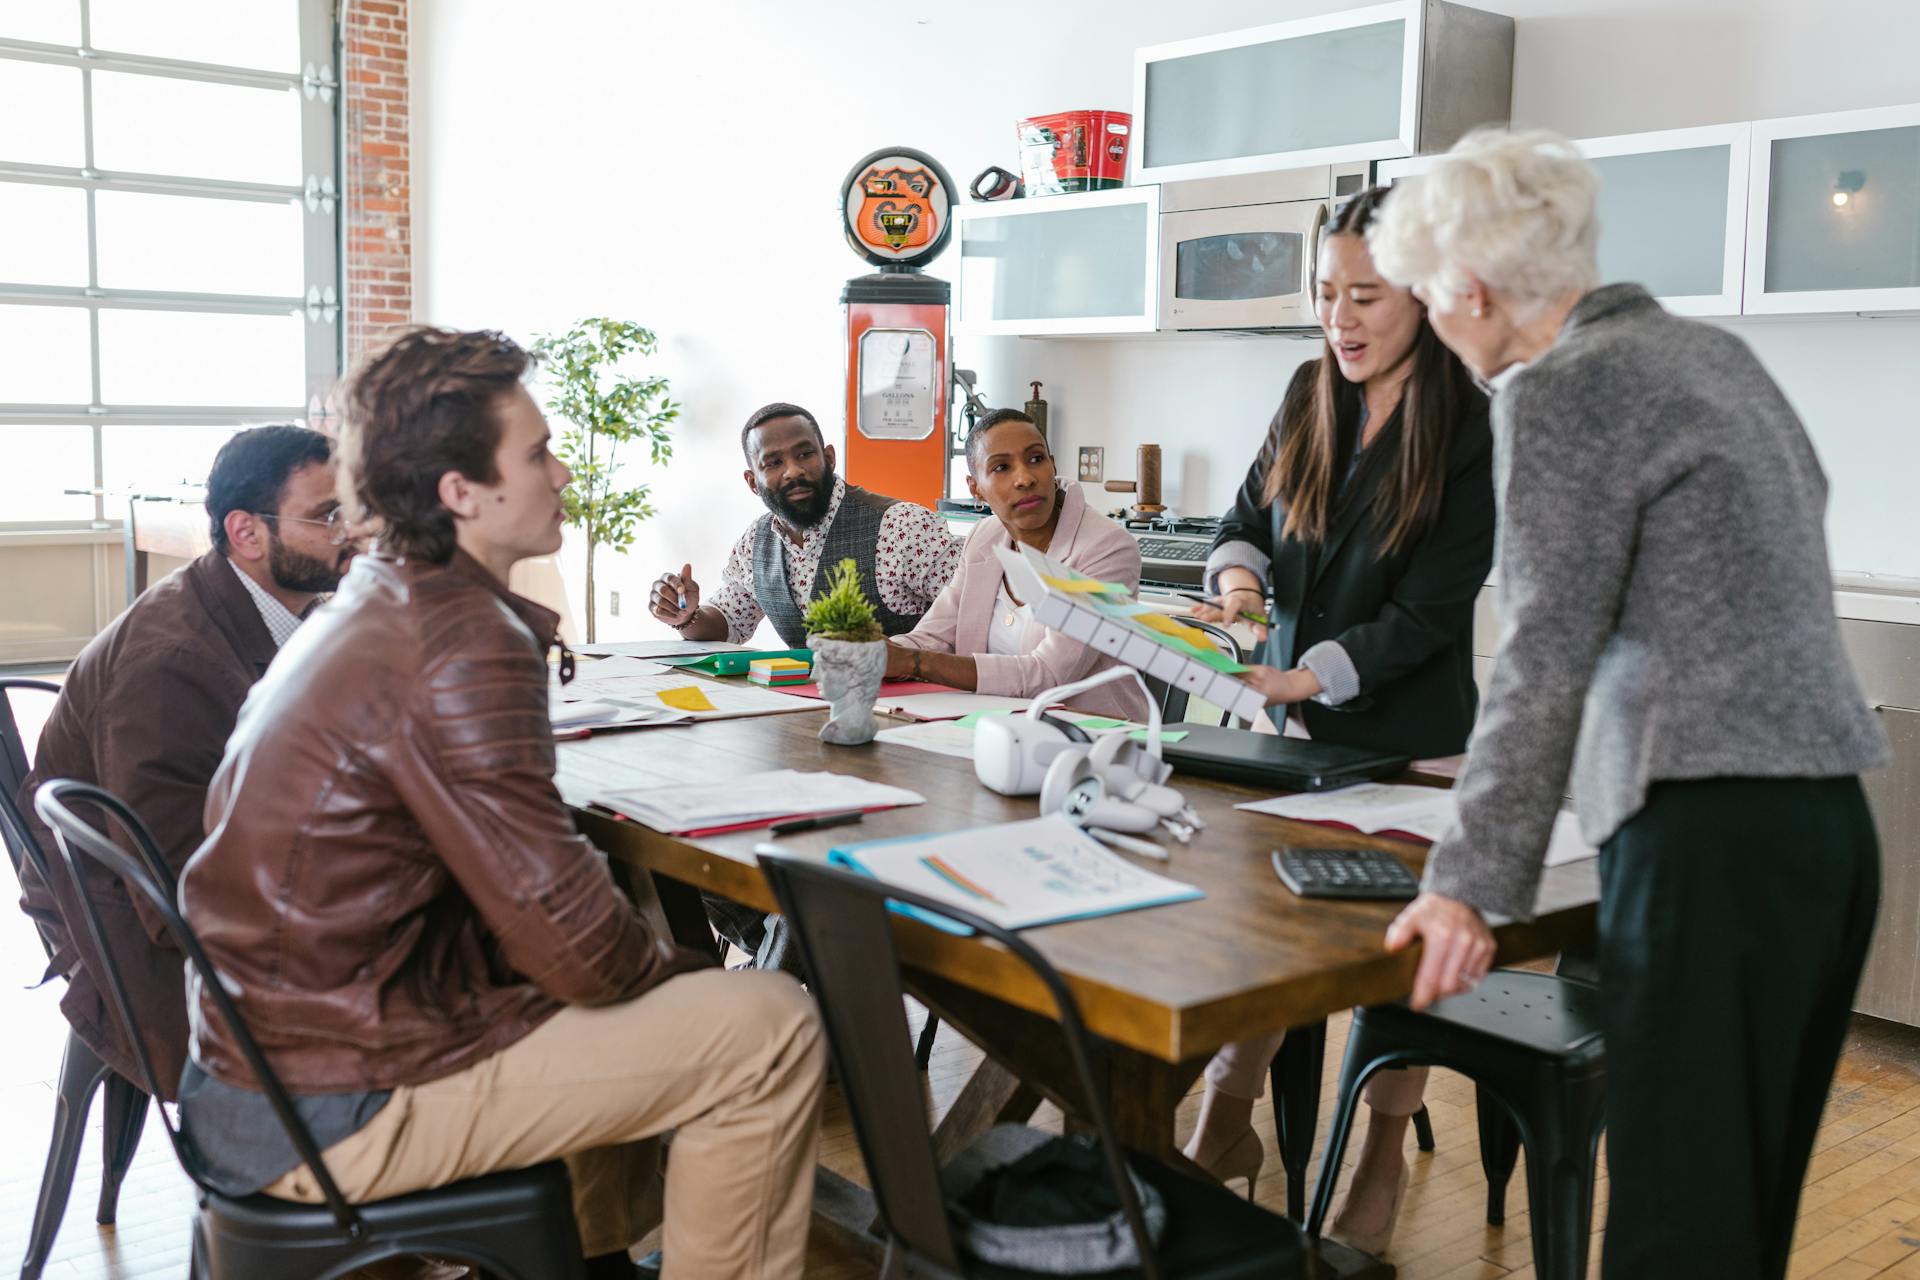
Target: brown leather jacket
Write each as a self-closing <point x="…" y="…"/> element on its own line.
<point x="391" y="886"/>
<point x="144" y="712"/>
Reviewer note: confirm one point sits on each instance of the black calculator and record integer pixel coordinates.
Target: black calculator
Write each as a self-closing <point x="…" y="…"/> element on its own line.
<point x="1345" y="873"/>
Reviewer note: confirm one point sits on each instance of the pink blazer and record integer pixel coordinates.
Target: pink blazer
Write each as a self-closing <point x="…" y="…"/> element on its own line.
<point x="961" y="615"/>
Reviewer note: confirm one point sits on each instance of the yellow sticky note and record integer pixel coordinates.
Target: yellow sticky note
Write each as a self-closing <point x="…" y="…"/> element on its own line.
<point x="1085" y="586"/>
<point x="689" y="698"/>
<point x="1167" y="626"/>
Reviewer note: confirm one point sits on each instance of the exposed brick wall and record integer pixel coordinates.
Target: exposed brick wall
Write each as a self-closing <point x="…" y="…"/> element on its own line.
<point x="378" y="186"/>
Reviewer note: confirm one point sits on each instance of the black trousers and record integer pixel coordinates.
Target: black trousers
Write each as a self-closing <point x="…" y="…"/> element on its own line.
<point x="1734" y="920"/>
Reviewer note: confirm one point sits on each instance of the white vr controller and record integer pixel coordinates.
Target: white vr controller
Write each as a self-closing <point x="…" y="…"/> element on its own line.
<point x="1111" y="783"/>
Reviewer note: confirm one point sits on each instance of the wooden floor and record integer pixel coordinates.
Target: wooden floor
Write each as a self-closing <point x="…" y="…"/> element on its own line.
<point x="1860" y="1215"/>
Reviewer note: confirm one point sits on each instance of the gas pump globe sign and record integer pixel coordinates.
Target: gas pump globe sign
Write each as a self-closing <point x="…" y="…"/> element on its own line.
<point x="896" y="207"/>
<point x="899" y="377"/>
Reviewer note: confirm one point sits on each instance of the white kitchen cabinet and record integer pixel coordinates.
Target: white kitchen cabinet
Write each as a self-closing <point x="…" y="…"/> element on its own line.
<point x="1673" y="214"/>
<point x="1085" y="263"/>
<point x="1386" y="80"/>
<point x="1672" y="209"/>
<point x="1833" y="222"/>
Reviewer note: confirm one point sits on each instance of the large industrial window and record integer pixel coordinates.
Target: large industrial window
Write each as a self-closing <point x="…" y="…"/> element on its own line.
<point x="169" y="247"/>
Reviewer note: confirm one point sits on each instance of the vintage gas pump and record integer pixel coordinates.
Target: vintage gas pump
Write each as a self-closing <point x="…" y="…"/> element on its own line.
<point x="896" y="207"/>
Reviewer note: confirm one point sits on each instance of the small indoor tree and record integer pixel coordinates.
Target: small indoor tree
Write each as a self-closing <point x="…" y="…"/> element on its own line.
<point x="604" y="407"/>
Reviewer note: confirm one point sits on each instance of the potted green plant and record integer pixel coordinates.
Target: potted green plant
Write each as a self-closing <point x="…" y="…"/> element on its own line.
<point x="604" y="407"/>
<point x="849" y="655"/>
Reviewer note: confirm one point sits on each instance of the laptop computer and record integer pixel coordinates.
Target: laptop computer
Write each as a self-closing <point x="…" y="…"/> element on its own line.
<point x="1269" y="761"/>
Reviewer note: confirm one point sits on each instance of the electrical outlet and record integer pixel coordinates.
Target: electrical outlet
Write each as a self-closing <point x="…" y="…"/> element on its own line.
<point x="1093" y="463"/>
<point x="613" y="604"/>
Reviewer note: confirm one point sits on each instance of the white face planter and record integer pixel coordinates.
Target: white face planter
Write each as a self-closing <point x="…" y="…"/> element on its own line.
<point x="849" y="672"/>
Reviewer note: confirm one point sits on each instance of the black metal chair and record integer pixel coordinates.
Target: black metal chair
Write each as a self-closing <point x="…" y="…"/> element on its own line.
<point x="1532" y="1045"/>
<point x="1295" y="1077"/>
<point x="844" y="929"/>
<point x="515" y="1226"/>
<point x="1173" y="702"/>
<point x="82" y="1073"/>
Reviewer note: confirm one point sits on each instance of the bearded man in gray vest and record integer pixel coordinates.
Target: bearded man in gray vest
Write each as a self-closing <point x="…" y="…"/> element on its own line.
<point x="814" y="521"/>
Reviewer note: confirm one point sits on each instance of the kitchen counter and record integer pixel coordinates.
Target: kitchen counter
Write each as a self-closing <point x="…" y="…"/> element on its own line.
<point x="1868" y="597"/>
<point x="1877" y="598"/>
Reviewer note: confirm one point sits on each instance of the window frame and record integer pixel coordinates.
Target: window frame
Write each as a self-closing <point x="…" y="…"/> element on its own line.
<point x="321" y="91"/>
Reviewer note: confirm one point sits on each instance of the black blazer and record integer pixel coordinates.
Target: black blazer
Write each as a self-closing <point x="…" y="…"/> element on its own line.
<point x="1406" y="620"/>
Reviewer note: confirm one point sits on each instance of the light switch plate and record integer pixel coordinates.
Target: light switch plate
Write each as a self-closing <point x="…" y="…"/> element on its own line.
<point x="613" y="604"/>
<point x="1093" y="463"/>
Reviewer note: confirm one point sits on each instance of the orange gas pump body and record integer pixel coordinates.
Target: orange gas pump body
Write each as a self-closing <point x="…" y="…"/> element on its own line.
<point x="900" y="458"/>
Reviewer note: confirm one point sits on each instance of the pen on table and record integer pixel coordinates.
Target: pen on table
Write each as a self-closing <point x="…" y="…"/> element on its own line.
<point x="1145" y="848"/>
<point x="817" y="822"/>
<point x="1248" y="614"/>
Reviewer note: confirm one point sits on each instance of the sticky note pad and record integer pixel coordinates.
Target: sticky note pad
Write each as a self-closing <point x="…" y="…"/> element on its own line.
<point x="778" y="666"/>
<point x="1168" y="626"/>
<point x="687" y="699"/>
<point x="1166" y="735"/>
<point x="1085" y="586"/>
<point x="1220" y="662"/>
<point x="1099" y="722"/>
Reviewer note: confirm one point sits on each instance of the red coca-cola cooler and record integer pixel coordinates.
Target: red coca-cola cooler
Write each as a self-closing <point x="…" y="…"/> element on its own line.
<point x="1074" y="151"/>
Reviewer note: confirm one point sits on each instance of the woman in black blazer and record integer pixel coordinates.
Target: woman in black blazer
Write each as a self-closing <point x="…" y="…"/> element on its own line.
<point x="1367" y="522"/>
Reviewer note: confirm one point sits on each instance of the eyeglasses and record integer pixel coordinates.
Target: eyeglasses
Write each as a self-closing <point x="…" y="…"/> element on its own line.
<point x="335" y="523"/>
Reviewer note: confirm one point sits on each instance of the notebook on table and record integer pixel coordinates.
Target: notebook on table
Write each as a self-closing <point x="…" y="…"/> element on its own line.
<point x="1275" y="763"/>
<point x="1016" y="874"/>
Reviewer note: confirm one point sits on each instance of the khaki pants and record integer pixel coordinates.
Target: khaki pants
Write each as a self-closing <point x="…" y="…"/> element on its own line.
<point x="732" y="1061"/>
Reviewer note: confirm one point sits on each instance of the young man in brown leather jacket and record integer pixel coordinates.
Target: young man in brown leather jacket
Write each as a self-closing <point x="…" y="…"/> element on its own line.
<point x="146" y="709"/>
<point x="432" y="957"/>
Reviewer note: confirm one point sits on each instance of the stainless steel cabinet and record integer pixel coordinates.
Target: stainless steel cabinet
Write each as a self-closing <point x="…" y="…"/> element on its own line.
<point x="1886" y="655"/>
<point x="1386" y="80"/>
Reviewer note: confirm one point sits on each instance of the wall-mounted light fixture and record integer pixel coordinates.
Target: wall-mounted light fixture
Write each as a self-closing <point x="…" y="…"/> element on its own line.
<point x="1847" y="186"/>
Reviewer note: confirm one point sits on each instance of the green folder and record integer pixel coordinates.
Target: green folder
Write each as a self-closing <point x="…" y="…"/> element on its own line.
<point x="733" y="663"/>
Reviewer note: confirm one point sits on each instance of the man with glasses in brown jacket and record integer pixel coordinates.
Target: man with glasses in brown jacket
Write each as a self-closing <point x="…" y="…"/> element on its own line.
<point x="147" y="706"/>
<point x="432" y="958"/>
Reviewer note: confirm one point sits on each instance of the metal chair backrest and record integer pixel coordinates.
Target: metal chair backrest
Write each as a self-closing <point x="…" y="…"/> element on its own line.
<point x="147" y="875"/>
<point x="1173" y="701"/>
<point x="14" y="766"/>
<point x="845" y="931"/>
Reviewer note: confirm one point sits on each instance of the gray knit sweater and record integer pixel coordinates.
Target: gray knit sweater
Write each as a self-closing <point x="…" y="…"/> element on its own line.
<point x="1667" y="607"/>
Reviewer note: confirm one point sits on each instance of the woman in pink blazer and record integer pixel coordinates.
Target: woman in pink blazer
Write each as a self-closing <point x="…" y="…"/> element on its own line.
<point x="978" y="635"/>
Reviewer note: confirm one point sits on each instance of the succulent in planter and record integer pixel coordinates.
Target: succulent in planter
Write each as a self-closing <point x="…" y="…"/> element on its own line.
<point x="849" y="655"/>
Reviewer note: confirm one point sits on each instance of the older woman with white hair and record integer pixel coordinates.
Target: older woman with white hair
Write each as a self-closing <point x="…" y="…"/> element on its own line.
<point x="1669" y="637"/>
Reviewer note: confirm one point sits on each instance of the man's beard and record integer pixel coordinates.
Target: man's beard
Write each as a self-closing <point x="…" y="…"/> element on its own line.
<point x="295" y="571"/>
<point x="806" y="514"/>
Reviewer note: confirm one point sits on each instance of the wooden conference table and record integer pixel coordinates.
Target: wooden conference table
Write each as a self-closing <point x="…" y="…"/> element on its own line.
<point x="1163" y="987"/>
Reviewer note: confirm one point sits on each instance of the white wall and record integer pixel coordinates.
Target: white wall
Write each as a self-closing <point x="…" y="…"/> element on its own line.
<point x="678" y="163"/>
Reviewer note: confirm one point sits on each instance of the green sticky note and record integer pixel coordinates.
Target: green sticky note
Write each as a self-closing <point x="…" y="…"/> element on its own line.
<point x="1220" y="662"/>
<point x="1099" y="722"/>
<point x="973" y="718"/>
<point x="1173" y="735"/>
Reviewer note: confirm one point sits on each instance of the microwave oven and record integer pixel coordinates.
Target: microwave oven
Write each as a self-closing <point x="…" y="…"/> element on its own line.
<point x="1240" y="252"/>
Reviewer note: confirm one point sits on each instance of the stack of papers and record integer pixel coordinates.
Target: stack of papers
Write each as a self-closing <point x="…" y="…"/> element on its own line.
<point x="656" y="648"/>
<point x="603" y="695"/>
<point x="751" y="800"/>
<point x="1042" y="871"/>
<point x="649" y="688"/>
<point x="948" y="705"/>
<point x="1421" y="814"/>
